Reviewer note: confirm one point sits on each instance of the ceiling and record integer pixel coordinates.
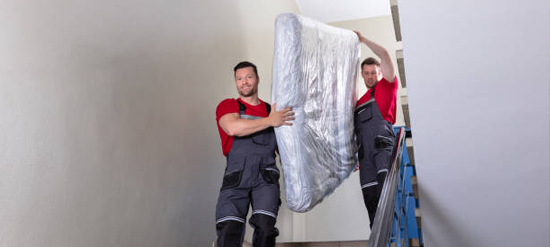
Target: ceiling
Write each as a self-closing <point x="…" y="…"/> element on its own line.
<point x="343" y="10"/>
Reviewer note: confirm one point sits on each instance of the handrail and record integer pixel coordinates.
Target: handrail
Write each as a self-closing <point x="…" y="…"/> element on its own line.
<point x="383" y="220"/>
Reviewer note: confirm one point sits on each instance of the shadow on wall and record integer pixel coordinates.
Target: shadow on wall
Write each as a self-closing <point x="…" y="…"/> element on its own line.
<point x="441" y="227"/>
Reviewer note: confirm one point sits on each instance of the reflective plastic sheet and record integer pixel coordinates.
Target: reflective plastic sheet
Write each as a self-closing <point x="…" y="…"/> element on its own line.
<point x="314" y="72"/>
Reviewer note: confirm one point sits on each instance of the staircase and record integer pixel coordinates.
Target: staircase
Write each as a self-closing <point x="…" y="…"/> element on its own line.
<point x="320" y="244"/>
<point x="406" y="227"/>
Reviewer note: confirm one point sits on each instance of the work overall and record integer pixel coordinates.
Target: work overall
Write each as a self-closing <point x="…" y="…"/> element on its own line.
<point x="251" y="177"/>
<point x="375" y="139"/>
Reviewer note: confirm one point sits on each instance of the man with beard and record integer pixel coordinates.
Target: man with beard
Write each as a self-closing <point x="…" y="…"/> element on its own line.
<point x="374" y="116"/>
<point x="251" y="177"/>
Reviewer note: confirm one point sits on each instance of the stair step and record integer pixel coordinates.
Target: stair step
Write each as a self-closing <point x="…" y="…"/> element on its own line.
<point x="418" y="217"/>
<point x="401" y="67"/>
<point x="414" y="242"/>
<point x="405" y="107"/>
<point x="325" y="244"/>
<point x="414" y="183"/>
<point x="395" y="16"/>
<point x="410" y="150"/>
<point x="313" y="244"/>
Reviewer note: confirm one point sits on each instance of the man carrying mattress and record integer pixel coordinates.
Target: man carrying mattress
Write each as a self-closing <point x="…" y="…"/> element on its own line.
<point x="251" y="177"/>
<point x="374" y="116"/>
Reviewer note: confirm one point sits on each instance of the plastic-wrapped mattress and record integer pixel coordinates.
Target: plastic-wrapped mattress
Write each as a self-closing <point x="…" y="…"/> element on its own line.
<point x="314" y="72"/>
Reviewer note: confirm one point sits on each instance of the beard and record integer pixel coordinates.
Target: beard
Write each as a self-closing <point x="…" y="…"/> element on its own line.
<point x="248" y="93"/>
<point x="372" y="85"/>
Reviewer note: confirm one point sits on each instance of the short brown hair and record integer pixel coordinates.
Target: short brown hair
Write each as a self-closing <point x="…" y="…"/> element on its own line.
<point x="370" y="61"/>
<point x="245" y="64"/>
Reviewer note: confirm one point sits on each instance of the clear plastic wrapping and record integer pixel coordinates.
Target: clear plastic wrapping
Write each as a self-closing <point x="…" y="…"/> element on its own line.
<point x="314" y="72"/>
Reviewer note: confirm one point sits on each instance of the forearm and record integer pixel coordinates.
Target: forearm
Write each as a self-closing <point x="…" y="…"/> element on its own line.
<point x="234" y="125"/>
<point x="244" y="127"/>
<point x="386" y="64"/>
<point x="380" y="51"/>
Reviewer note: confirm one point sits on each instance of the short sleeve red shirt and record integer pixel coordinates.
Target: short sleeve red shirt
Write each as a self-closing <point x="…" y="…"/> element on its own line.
<point x="232" y="106"/>
<point x="385" y="95"/>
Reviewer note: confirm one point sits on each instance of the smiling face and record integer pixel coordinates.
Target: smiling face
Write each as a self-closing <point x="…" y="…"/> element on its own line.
<point x="371" y="74"/>
<point x="247" y="81"/>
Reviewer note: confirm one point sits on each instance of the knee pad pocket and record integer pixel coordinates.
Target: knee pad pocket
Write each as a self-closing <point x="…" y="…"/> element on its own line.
<point x="382" y="142"/>
<point x="231" y="180"/>
<point x="270" y="175"/>
<point x="361" y="152"/>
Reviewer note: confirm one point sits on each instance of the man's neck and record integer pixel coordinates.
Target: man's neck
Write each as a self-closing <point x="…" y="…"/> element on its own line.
<point x="251" y="100"/>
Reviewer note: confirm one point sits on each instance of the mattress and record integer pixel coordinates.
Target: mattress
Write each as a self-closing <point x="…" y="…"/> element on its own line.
<point x="314" y="72"/>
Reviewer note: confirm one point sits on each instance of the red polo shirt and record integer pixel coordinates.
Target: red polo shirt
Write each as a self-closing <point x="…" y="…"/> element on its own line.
<point x="232" y="106"/>
<point x="385" y="95"/>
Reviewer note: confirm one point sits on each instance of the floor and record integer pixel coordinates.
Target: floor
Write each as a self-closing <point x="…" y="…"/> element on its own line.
<point x="320" y="244"/>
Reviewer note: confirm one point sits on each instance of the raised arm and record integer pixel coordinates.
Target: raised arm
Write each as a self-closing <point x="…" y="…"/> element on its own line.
<point x="386" y="64"/>
<point x="234" y="125"/>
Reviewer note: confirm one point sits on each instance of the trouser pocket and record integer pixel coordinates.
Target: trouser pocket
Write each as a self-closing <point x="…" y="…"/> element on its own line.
<point x="382" y="142"/>
<point x="232" y="180"/>
<point x="233" y="172"/>
<point x="270" y="175"/>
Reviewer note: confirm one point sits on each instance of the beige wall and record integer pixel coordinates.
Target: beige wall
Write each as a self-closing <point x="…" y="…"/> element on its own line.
<point x="107" y="116"/>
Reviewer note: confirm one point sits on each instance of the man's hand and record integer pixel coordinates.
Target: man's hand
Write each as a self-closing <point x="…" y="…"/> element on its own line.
<point x="282" y="117"/>
<point x="386" y="64"/>
<point x="361" y="38"/>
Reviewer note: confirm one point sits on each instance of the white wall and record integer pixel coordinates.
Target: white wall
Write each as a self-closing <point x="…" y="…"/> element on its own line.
<point x="478" y="83"/>
<point x="107" y="116"/>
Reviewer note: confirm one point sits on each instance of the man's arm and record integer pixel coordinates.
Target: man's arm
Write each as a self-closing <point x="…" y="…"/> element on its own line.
<point x="386" y="64"/>
<point x="234" y="125"/>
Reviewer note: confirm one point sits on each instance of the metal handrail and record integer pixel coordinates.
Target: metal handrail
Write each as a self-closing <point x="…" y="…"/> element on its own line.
<point x="383" y="220"/>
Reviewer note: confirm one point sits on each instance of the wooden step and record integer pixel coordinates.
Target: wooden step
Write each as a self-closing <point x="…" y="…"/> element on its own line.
<point x="405" y="107"/>
<point x="401" y="67"/>
<point x="362" y="243"/>
<point x="410" y="150"/>
<point x="418" y="217"/>
<point x="414" y="242"/>
<point x="325" y="244"/>
<point x="395" y="16"/>
<point x="414" y="183"/>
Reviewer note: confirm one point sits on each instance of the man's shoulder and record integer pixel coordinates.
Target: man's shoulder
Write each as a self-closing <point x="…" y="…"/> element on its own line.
<point x="391" y="86"/>
<point x="228" y="101"/>
<point x="228" y="105"/>
<point x="394" y="83"/>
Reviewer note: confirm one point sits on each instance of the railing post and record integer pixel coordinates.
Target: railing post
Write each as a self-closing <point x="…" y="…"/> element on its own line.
<point x="383" y="220"/>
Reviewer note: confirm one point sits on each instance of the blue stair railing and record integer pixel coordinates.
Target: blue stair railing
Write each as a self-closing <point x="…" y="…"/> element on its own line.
<point x="395" y="222"/>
